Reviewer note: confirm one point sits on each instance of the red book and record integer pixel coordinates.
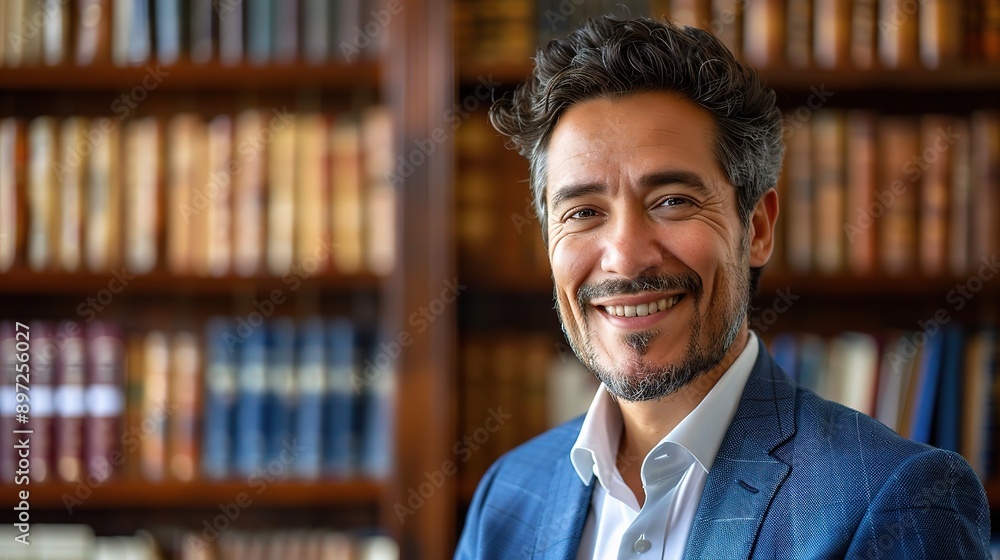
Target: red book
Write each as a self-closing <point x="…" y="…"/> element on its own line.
<point x="42" y="354"/>
<point x="104" y="400"/>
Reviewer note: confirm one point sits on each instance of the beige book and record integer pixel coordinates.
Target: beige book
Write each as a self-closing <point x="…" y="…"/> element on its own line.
<point x="200" y="202"/>
<point x="8" y="193"/>
<point x="103" y="207"/>
<point x="43" y="210"/>
<point x="14" y="38"/>
<point x="763" y="32"/>
<point x="140" y="185"/>
<point x="346" y="214"/>
<point x="183" y="396"/>
<point x="828" y="200"/>
<point x="727" y="23"/>
<point x="377" y="141"/>
<point x="863" y="30"/>
<point x="248" y="192"/>
<point x="281" y="199"/>
<point x="312" y="232"/>
<point x="32" y="27"/>
<point x="941" y="32"/>
<point x="56" y="31"/>
<point x="218" y="194"/>
<point x="70" y="172"/>
<point x="153" y="405"/>
<point x="897" y="34"/>
<point x="181" y="213"/>
<point x="832" y="40"/>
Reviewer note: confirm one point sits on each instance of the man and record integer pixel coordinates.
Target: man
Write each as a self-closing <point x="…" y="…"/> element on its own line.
<point x="653" y="158"/>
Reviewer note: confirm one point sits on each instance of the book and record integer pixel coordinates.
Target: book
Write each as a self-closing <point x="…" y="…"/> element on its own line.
<point x="102" y="234"/>
<point x="864" y="30"/>
<point x="248" y="193"/>
<point x="280" y="391"/>
<point x="9" y="362"/>
<point x="183" y="391"/>
<point x="231" y="39"/>
<point x="70" y="175"/>
<point x="93" y="31"/>
<point x="248" y="414"/>
<point x="798" y="162"/>
<point x="316" y="32"/>
<point x="14" y="34"/>
<point x="380" y="210"/>
<point x="935" y="163"/>
<point x="167" y="19"/>
<point x="763" y="37"/>
<point x="828" y="144"/>
<point x="311" y="226"/>
<point x="218" y="195"/>
<point x="959" y="203"/>
<point x="310" y="378"/>
<point x="8" y="192"/>
<point x="286" y="32"/>
<point x="69" y="401"/>
<point x="985" y="179"/>
<point x="183" y="134"/>
<point x="799" y="33"/>
<point x="343" y="390"/>
<point x="55" y="31"/>
<point x="104" y="399"/>
<point x="153" y="405"/>
<point x="281" y="199"/>
<point x="141" y="191"/>
<point x="940" y="33"/>
<point x="346" y="209"/>
<point x="897" y="196"/>
<point x="259" y="30"/>
<point x="377" y="403"/>
<point x="219" y="396"/>
<point x="927" y="386"/>
<point x="43" y="221"/>
<point x="947" y="406"/>
<point x="832" y="39"/>
<point x="861" y="166"/>
<point x="202" y="14"/>
<point x="897" y="34"/>
<point x="977" y="391"/>
<point x="727" y="23"/>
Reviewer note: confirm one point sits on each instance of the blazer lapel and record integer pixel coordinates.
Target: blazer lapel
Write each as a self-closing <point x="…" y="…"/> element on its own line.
<point x="745" y="477"/>
<point x="559" y="530"/>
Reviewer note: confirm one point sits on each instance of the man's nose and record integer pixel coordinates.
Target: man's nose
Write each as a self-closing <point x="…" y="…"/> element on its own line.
<point x="631" y="246"/>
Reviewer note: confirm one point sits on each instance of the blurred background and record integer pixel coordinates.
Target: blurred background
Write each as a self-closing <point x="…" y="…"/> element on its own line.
<point x="272" y="287"/>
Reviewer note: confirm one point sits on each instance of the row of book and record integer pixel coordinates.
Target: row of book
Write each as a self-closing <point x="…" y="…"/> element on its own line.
<point x="861" y="34"/>
<point x="864" y="193"/>
<point x="258" y="192"/>
<point x="513" y="386"/>
<point x="79" y="542"/>
<point x="230" y="32"/>
<point x="302" y="399"/>
<point x="936" y="385"/>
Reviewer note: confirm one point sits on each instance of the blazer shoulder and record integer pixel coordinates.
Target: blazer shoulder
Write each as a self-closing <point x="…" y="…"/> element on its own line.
<point x="542" y="450"/>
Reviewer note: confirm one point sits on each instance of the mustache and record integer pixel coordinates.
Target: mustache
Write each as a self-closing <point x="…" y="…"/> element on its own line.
<point x="657" y="283"/>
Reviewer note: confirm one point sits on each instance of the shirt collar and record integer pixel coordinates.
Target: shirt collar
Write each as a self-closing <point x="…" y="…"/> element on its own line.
<point x="700" y="432"/>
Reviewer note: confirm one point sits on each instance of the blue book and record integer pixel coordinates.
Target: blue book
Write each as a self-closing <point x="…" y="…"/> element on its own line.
<point x="784" y="349"/>
<point x="251" y="380"/>
<point x="280" y="392"/>
<point x="310" y="377"/>
<point x="168" y="31"/>
<point x="926" y="387"/>
<point x="221" y="345"/>
<point x="948" y="410"/>
<point x="259" y="38"/>
<point x="339" y="449"/>
<point x="139" y="33"/>
<point x="375" y="430"/>
<point x="812" y="362"/>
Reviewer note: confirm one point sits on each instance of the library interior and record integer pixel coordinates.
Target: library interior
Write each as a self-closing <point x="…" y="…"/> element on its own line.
<point x="274" y="287"/>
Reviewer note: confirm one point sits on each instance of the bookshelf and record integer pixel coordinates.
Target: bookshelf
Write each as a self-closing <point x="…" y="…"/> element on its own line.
<point x="405" y="70"/>
<point x="952" y="74"/>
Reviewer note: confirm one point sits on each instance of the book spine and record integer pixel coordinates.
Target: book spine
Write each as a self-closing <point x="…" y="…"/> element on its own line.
<point x="220" y="389"/>
<point x="184" y="392"/>
<point x="8" y="193"/>
<point x="168" y="30"/>
<point x="280" y="391"/>
<point x="310" y="377"/>
<point x="342" y="392"/>
<point x="104" y="399"/>
<point x="251" y="385"/>
<point x="69" y="400"/>
<point x="44" y="218"/>
<point x="8" y="401"/>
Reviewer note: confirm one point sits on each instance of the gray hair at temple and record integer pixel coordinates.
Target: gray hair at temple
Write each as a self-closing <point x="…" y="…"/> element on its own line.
<point x="612" y="58"/>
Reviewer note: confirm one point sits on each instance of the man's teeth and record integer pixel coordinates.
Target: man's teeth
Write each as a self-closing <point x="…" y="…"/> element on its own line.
<point x="642" y="309"/>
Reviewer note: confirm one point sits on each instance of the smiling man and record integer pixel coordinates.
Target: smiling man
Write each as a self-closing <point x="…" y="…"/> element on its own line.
<point x="654" y="155"/>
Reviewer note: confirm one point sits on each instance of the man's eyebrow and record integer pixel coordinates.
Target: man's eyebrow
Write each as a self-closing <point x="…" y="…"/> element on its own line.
<point x="675" y="177"/>
<point x="568" y="192"/>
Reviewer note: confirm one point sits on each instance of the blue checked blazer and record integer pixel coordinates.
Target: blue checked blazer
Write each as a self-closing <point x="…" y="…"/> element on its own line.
<point x="796" y="477"/>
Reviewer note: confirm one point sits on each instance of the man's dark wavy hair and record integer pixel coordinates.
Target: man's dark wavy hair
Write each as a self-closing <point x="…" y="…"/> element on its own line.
<point x="612" y="58"/>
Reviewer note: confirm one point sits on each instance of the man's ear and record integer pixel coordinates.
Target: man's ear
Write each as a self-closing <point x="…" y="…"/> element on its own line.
<point x="762" y="222"/>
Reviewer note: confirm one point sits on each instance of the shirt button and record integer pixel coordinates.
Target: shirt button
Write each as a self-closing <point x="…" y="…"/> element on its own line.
<point x="642" y="545"/>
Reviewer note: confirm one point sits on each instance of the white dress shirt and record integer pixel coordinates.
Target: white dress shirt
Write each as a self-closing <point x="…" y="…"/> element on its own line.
<point x="673" y="473"/>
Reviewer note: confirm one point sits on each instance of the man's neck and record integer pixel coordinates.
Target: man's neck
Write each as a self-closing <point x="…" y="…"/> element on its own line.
<point x="645" y="423"/>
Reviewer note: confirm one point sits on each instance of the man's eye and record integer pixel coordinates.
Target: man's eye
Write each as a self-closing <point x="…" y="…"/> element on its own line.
<point x="674" y="201"/>
<point x="583" y="214"/>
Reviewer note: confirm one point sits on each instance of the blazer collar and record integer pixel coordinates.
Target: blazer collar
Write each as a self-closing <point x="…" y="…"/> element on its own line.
<point x="559" y="530"/>
<point x="746" y="476"/>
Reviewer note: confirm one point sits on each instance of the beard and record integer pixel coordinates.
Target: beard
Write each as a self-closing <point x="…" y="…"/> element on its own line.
<point x="634" y="378"/>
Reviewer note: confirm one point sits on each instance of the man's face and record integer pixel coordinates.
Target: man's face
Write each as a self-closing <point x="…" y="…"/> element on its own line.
<point x="649" y="258"/>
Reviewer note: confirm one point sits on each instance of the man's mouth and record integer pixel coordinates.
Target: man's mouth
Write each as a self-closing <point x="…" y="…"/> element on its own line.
<point x="643" y="309"/>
